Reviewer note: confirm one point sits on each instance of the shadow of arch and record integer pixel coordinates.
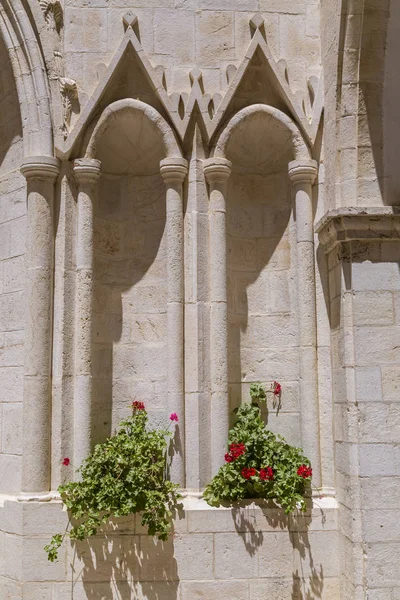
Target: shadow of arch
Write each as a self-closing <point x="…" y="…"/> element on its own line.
<point x="130" y="263"/>
<point x="11" y="150"/>
<point x="129" y="344"/>
<point x="260" y="141"/>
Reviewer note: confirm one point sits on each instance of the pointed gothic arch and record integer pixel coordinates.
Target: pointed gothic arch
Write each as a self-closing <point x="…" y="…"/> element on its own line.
<point x="30" y="77"/>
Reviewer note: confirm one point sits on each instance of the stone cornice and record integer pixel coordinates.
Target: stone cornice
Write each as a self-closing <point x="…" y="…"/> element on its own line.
<point x="358" y="223"/>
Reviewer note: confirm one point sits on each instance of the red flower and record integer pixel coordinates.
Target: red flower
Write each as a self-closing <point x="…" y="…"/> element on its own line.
<point x="66" y="462"/>
<point x="247" y="473"/>
<point x="138" y="405"/>
<point x="304" y="471"/>
<point x="277" y="388"/>
<point x="174" y="417"/>
<point x="235" y="450"/>
<point x="267" y="474"/>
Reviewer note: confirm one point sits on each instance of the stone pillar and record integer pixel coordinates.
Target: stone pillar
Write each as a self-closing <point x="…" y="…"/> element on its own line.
<point x="174" y="172"/>
<point x="41" y="173"/>
<point x="217" y="172"/>
<point x="87" y="173"/>
<point x="303" y="174"/>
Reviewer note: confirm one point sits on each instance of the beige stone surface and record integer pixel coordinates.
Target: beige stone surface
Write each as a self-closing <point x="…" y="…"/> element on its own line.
<point x="264" y="247"/>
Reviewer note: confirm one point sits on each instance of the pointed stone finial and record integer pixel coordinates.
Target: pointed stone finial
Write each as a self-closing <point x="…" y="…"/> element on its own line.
<point x="257" y="22"/>
<point x="196" y="75"/>
<point x="230" y="72"/>
<point x="129" y="19"/>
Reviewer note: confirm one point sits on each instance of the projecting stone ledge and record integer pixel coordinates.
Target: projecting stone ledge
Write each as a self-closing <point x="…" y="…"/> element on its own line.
<point x="359" y="223"/>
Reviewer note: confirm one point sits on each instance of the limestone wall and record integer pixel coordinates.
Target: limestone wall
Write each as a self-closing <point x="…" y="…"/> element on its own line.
<point x="12" y="278"/>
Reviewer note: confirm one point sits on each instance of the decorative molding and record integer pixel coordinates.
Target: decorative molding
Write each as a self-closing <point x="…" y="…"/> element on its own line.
<point x="362" y="224"/>
<point x="40" y="167"/>
<point x="213" y="109"/>
<point x="69" y="93"/>
<point x="53" y="14"/>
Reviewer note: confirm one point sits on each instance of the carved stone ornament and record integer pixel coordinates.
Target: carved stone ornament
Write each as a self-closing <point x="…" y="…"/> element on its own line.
<point x="53" y="13"/>
<point x="69" y="93"/>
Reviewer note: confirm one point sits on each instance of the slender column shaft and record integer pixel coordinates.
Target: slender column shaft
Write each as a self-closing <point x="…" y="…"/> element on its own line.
<point x="41" y="174"/>
<point x="87" y="173"/>
<point x="174" y="171"/>
<point x="217" y="172"/>
<point x="303" y="175"/>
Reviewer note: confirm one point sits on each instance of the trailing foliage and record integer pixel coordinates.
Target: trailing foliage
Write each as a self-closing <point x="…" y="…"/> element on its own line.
<point x="260" y="464"/>
<point x="124" y="475"/>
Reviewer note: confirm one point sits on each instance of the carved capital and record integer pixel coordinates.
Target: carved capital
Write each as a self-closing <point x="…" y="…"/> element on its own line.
<point x="87" y="170"/>
<point x="174" y="169"/>
<point x="69" y="93"/>
<point x="303" y="171"/>
<point x="40" y="168"/>
<point x="217" y="170"/>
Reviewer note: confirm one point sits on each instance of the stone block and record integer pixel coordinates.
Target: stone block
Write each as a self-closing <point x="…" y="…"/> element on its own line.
<point x="214" y="590"/>
<point x="278" y="589"/>
<point x="385" y="348"/>
<point x="168" y="28"/>
<point x="5" y="232"/>
<point x="276" y="555"/>
<point x="36" y="591"/>
<point x="12" y="428"/>
<point x="11" y="384"/>
<point x="14" y="274"/>
<point x="140" y="362"/>
<point x="13" y="205"/>
<point x="382" y="564"/>
<point x="11" y="517"/>
<point x="379" y="423"/>
<point x="85" y="28"/>
<point x="375" y="276"/>
<point x="373" y="489"/>
<point x="283" y="6"/>
<point x="215" y="37"/>
<point x="14" y="348"/>
<point x="319" y="558"/>
<point x="269" y="364"/>
<point x="378" y="460"/>
<point x="373" y="308"/>
<point x="281" y="300"/>
<point x="44" y="518"/>
<point x="236" y="555"/>
<point x="12" y="311"/>
<point x="157" y="560"/>
<point x="10" y="473"/>
<point x="368" y="384"/>
<point x="11" y="565"/>
<point x="381" y="525"/>
<point x="391" y="383"/>
<point x="9" y="589"/>
<point x="194" y="556"/>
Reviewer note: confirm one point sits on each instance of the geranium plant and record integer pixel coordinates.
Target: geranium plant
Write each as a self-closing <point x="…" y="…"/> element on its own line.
<point x="124" y="475"/>
<point x="260" y="464"/>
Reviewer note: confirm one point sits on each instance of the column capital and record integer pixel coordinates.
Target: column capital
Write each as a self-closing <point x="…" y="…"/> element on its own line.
<point x="174" y="169"/>
<point x="303" y="171"/>
<point x="40" y="167"/>
<point x="217" y="170"/>
<point x="87" y="170"/>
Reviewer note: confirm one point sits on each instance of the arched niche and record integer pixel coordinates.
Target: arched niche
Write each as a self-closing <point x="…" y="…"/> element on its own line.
<point x="130" y="270"/>
<point x="263" y="317"/>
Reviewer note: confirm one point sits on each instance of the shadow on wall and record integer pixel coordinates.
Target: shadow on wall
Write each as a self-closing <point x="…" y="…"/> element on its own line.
<point x="262" y="315"/>
<point x="379" y="121"/>
<point x="10" y="118"/>
<point x="113" y="567"/>
<point x="129" y="333"/>
<point x="307" y="585"/>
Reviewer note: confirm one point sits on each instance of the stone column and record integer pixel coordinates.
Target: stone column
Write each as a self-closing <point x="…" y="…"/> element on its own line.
<point x="217" y="172"/>
<point x="174" y="172"/>
<point x="41" y="173"/>
<point x="87" y="173"/>
<point x="303" y="174"/>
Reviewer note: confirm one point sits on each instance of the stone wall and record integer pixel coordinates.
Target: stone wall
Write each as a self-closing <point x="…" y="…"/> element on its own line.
<point x="247" y="553"/>
<point x="12" y="278"/>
